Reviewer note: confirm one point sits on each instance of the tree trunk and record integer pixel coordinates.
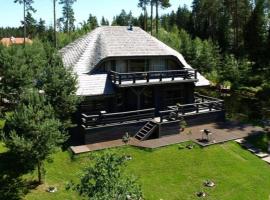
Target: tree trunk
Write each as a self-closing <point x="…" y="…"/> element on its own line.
<point x="39" y="169"/>
<point x="156" y="17"/>
<point x="54" y="21"/>
<point x="152" y="17"/>
<point x="24" y="25"/>
<point x="145" y="18"/>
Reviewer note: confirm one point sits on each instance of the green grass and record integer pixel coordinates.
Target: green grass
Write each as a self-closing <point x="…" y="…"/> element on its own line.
<point x="172" y="174"/>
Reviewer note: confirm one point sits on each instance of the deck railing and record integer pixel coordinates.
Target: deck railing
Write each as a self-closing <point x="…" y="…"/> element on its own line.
<point x="109" y="118"/>
<point x="159" y="76"/>
<point x="202" y="104"/>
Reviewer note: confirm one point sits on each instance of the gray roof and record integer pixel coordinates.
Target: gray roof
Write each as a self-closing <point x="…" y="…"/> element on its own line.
<point x="94" y="85"/>
<point x="84" y="54"/>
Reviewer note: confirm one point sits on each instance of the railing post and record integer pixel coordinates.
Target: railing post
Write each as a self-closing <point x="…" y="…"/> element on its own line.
<point x="195" y="73"/>
<point x="182" y="110"/>
<point x="134" y="78"/>
<point x="147" y="77"/>
<point x="160" y="77"/>
<point x="173" y="76"/>
<point x="197" y="108"/>
<point x="185" y="74"/>
<point x="120" y="79"/>
<point x="210" y="106"/>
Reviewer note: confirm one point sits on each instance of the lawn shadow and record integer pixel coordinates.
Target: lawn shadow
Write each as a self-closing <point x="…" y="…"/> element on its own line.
<point x="13" y="186"/>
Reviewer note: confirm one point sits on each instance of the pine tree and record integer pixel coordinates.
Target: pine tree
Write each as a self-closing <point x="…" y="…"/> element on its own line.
<point x="59" y="85"/>
<point x="54" y="24"/>
<point x="30" y="23"/>
<point x="32" y="132"/>
<point x="255" y="32"/>
<point x="68" y="18"/>
<point x="163" y="4"/>
<point x="92" y="22"/>
<point x="183" y="18"/>
<point x="27" y="7"/>
<point x="143" y="4"/>
<point x="104" y="22"/>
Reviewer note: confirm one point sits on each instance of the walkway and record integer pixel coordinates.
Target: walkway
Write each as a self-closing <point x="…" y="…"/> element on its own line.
<point x="221" y="132"/>
<point x="258" y="152"/>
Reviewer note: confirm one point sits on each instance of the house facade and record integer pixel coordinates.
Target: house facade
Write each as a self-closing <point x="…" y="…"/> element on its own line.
<point x="132" y="82"/>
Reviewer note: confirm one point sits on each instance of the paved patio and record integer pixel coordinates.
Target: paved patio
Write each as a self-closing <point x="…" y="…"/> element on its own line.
<point x="221" y="132"/>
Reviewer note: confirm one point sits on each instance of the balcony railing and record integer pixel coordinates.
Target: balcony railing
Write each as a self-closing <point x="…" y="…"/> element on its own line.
<point x="203" y="104"/>
<point x="153" y="77"/>
<point x="109" y="118"/>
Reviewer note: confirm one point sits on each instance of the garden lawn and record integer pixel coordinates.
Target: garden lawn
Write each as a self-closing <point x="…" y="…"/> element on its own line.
<point x="170" y="173"/>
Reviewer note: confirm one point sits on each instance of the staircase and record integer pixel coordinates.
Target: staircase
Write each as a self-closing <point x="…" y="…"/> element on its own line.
<point x="146" y="131"/>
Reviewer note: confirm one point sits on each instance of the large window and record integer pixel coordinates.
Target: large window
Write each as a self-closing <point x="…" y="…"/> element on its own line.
<point x="138" y="65"/>
<point x="158" y="64"/>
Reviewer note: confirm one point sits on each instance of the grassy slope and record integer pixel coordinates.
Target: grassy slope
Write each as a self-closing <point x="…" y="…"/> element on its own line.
<point x="169" y="173"/>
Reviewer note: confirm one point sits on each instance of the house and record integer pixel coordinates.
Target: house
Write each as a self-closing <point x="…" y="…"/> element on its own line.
<point x="132" y="82"/>
<point x="17" y="41"/>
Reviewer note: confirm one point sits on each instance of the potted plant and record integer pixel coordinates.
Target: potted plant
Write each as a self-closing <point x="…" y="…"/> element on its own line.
<point x="126" y="138"/>
<point x="183" y="125"/>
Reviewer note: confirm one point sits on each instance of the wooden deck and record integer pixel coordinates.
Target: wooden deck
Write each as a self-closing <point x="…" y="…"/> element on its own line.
<point x="221" y="132"/>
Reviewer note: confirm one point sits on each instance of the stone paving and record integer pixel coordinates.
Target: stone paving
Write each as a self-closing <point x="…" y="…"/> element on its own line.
<point x="258" y="152"/>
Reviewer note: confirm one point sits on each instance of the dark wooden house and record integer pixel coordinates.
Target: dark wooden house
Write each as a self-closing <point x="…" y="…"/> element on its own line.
<point x="132" y="82"/>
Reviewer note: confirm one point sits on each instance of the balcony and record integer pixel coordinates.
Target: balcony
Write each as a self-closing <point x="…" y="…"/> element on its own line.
<point x="153" y="77"/>
<point x="202" y="104"/>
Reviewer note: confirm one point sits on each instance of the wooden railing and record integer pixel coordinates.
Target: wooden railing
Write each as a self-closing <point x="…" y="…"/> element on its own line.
<point x="109" y="118"/>
<point x="202" y="104"/>
<point x="172" y="75"/>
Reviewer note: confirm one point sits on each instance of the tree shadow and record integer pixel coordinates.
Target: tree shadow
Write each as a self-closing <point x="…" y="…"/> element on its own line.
<point x="13" y="186"/>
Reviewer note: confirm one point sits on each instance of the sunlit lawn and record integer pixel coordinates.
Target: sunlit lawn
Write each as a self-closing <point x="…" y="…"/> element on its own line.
<point x="170" y="173"/>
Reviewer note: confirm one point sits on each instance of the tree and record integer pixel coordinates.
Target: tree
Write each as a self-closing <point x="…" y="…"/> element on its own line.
<point x="22" y="68"/>
<point x="41" y="28"/>
<point x="163" y="4"/>
<point x="92" y="22"/>
<point x="143" y="4"/>
<point x="27" y="7"/>
<point x="54" y="23"/>
<point x="32" y="132"/>
<point x="68" y="18"/>
<point x="104" y="22"/>
<point x="105" y="180"/>
<point x="152" y="8"/>
<point x="60" y="88"/>
<point x="30" y="23"/>
<point x="255" y="32"/>
<point x="183" y="18"/>
<point x="123" y="19"/>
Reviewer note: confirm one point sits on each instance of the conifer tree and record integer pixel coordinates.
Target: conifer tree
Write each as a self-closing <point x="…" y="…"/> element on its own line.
<point x="143" y="4"/>
<point x="68" y="18"/>
<point x="27" y="7"/>
<point x="32" y="132"/>
<point x="255" y="32"/>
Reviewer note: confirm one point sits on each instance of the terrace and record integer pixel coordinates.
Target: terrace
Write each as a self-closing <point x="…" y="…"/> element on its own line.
<point x="153" y="77"/>
<point x="202" y="105"/>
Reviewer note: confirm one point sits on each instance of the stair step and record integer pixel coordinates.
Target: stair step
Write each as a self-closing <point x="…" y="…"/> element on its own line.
<point x="137" y="136"/>
<point x="141" y="134"/>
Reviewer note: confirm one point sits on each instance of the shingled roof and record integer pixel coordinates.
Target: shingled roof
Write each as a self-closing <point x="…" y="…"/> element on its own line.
<point x="84" y="54"/>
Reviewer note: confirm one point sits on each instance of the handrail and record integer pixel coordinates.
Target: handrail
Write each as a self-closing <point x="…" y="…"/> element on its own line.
<point x="104" y="118"/>
<point x="118" y="78"/>
<point x="188" y="109"/>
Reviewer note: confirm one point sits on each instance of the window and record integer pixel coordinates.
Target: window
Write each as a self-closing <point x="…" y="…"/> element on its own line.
<point x="138" y="65"/>
<point x="157" y="64"/>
